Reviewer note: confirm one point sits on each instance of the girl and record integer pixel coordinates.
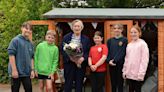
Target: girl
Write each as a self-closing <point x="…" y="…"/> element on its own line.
<point x="136" y="60"/>
<point x="96" y="61"/>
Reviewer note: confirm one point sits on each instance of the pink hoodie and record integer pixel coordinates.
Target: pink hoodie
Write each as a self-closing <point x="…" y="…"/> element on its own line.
<point x="136" y="60"/>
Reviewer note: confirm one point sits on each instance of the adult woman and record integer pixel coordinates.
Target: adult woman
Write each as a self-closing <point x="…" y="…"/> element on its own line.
<point x="71" y="71"/>
<point x="136" y="60"/>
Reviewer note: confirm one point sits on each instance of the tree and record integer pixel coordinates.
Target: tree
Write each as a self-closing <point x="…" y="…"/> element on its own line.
<point x="12" y="14"/>
<point x="111" y="3"/>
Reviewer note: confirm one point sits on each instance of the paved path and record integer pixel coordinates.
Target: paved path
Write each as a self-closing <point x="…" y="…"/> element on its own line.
<point x="6" y="88"/>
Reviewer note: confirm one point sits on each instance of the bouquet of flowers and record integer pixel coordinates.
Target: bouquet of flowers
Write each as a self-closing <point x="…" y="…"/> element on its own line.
<point x="74" y="51"/>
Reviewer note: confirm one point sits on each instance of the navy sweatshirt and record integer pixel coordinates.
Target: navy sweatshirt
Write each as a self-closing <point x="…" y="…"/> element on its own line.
<point x="117" y="50"/>
<point x="23" y="51"/>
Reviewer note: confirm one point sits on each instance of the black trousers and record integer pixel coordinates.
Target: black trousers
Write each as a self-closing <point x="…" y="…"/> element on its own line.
<point x="97" y="81"/>
<point x="134" y="86"/>
<point x="73" y="74"/>
<point x="116" y="78"/>
<point x="16" y="82"/>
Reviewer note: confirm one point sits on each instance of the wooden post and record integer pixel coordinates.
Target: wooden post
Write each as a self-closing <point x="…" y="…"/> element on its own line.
<point x="161" y="56"/>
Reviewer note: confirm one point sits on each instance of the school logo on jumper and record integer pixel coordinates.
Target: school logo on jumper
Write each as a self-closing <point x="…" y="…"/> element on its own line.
<point x="120" y="43"/>
<point x="99" y="49"/>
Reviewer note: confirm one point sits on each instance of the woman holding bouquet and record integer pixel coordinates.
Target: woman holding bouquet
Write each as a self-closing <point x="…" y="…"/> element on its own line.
<point x="72" y="72"/>
<point x="96" y="61"/>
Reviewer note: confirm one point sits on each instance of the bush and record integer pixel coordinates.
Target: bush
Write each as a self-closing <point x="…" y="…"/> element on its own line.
<point x="12" y="14"/>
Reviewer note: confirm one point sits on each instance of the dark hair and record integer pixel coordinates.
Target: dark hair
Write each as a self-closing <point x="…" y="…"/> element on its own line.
<point x="27" y="25"/>
<point x="98" y="33"/>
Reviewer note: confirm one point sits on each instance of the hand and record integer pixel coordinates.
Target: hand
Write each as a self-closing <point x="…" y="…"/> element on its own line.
<point x="15" y="74"/>
<point x="36" y="73"/>
<point x="32" y="74"/>
<point x="124" y="76"/>
<point x="111" y="63"/>
<point x="140" y="79"/>
<point x="93" y="67"/>
<point x="51" y="76"/>
<point x="80" y="60"/>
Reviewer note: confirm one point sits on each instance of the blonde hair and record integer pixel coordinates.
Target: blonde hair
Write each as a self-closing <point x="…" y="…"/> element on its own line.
<point x="75" y="21"/>
<point x="138" y="29"/>
<point x="119" y="25"/>
<point x="50" y="32"/>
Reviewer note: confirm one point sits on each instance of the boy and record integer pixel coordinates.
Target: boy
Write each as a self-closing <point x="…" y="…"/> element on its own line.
<point x="21" y="54"/>
<point x="46" y="61"/>
<point x="116" y="54"/>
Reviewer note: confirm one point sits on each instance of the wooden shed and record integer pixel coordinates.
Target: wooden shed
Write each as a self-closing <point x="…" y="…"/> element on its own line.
<point x="150" y="20"/>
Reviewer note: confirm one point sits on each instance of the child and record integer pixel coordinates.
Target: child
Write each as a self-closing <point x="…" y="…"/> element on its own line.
<point x="96" y="61"/>
<point x="21" y="53"/>
<point x="117" y="49"/>
<point x="136" y="60"/>
<point x="46" y="61"/>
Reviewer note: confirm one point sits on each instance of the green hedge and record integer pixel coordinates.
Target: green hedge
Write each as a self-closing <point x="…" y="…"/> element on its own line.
<point x="12" y="14"/>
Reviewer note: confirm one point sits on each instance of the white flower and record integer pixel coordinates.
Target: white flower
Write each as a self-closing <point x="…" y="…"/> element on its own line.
<point x="71" y="3"/>
<point x="86" y="4"/>
<point x="79" y="3"/>
<point x="65" y="46"/>
<point x="62" y="4"/>
<point x="74" y="0"/>
<point x="73" y="45"/>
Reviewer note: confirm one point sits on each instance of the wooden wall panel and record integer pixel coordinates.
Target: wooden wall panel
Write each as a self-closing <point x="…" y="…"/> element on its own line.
<point x="161" y="56"/>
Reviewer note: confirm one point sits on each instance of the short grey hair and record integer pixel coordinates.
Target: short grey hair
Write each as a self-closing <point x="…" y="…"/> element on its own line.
<point x="77" y="20"/>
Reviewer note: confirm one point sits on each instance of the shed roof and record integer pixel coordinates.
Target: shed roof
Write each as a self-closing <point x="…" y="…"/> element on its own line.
<point x="106" y="13"/>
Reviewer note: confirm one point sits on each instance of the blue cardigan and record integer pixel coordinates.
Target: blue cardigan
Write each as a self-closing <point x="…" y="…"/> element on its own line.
<point x="85" y="45"/>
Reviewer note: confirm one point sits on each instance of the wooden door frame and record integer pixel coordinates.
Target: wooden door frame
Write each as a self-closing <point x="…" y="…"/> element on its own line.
<point x="110" y="22"/>
<point x="107" y="35"/>
<point x="49" y="23"/>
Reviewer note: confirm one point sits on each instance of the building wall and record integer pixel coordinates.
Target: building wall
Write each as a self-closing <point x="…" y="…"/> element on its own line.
<point x="161" y="56"/>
